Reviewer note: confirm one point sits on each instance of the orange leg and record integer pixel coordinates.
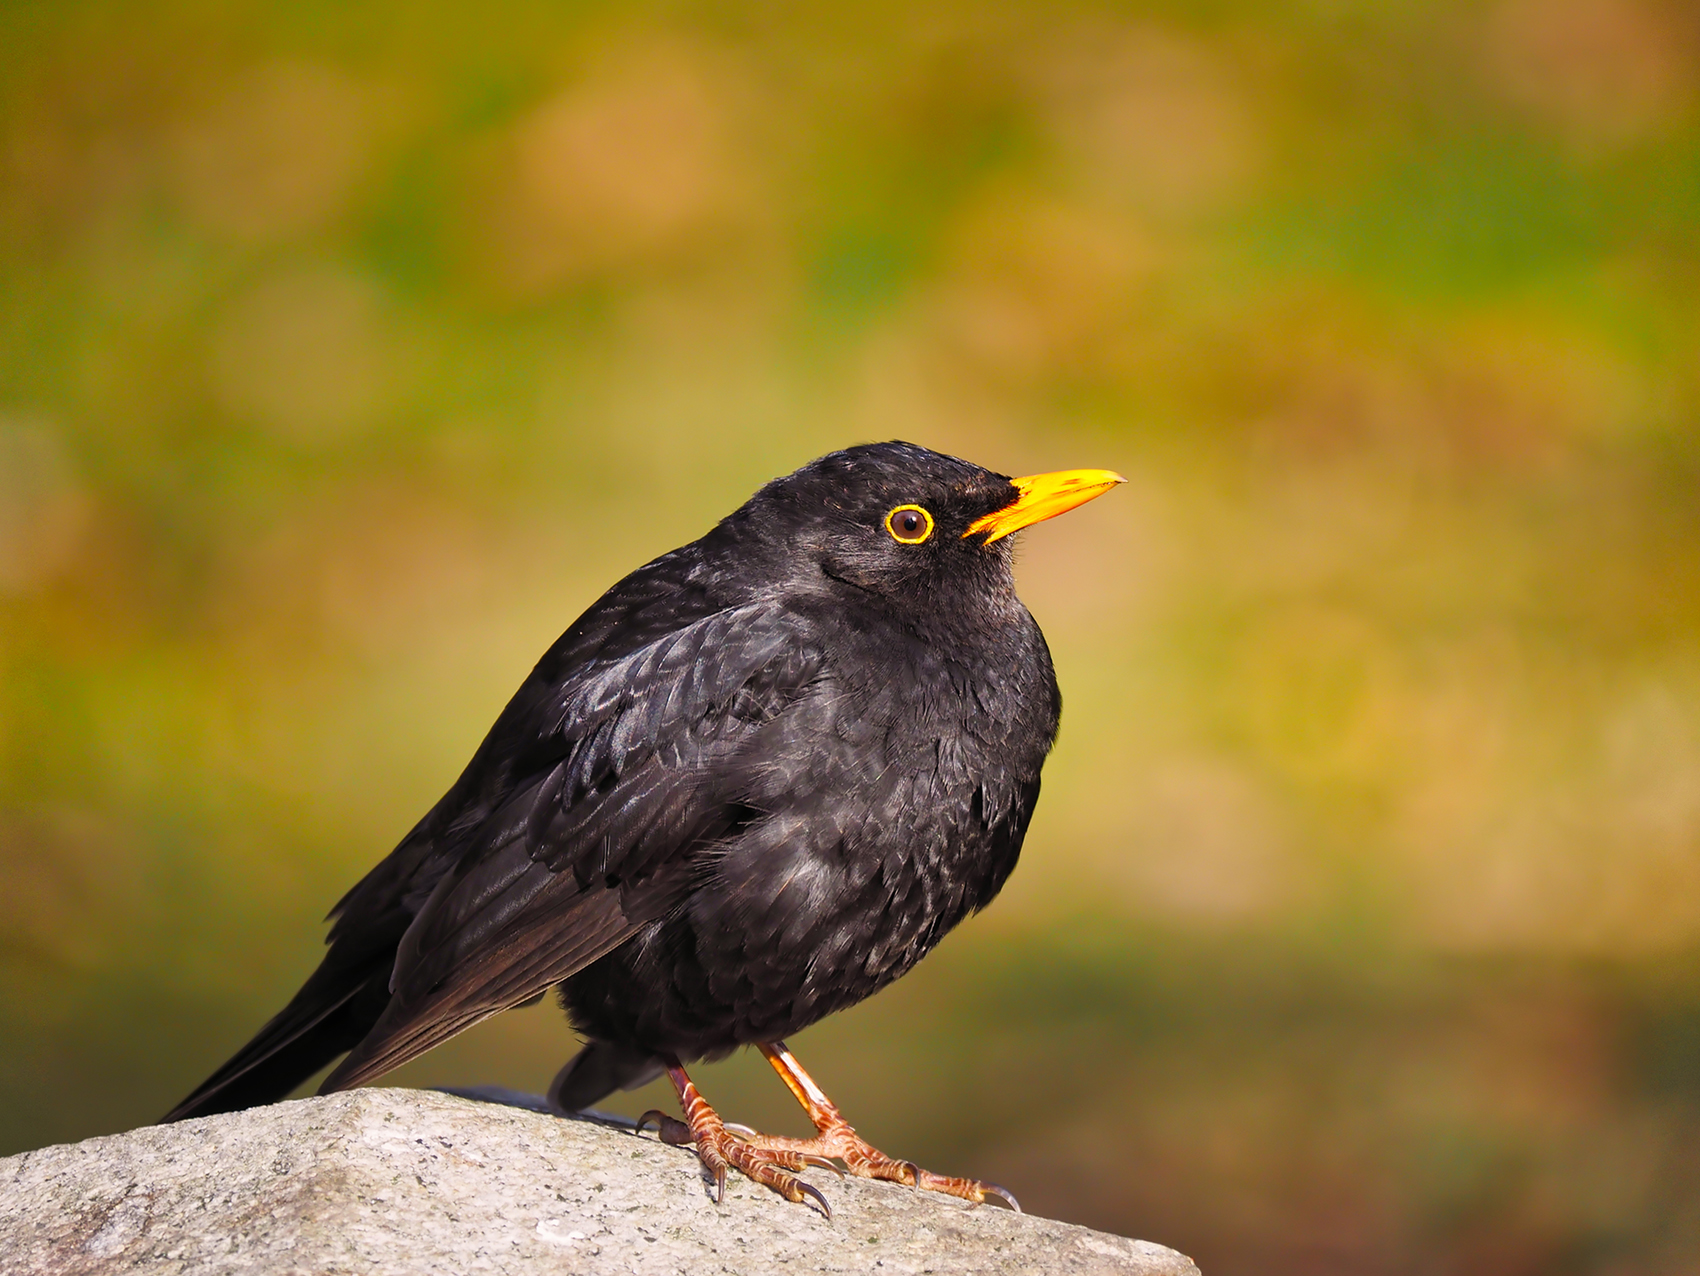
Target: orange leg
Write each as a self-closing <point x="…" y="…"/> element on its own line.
<point x="836" y="1138"/>
<point x="775" y="1168"/>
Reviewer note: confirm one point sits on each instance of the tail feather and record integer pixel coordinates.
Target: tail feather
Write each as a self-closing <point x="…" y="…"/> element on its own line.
<point x="335" y="1008"/>
<point x="598" y="1070"/>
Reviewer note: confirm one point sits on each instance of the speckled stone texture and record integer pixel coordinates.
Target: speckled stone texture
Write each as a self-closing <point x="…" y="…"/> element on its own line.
<point x="404" y="1181"/>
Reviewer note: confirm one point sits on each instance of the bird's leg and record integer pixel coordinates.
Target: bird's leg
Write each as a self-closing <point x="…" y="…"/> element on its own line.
<point x="836" y="1138"/>
<point x="775" y="1168"/>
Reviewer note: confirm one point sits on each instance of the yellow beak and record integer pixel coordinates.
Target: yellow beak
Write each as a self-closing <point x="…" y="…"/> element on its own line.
<point x="1042" y="496"/>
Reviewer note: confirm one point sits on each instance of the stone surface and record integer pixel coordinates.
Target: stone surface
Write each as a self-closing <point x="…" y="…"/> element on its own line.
<point x="402" y="1181"/>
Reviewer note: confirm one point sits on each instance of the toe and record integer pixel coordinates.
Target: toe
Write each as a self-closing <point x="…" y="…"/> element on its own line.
<point x="668" y="1128"/>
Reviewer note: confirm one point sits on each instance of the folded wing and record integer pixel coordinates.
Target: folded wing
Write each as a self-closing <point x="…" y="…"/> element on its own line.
<point x="626" y="775"/>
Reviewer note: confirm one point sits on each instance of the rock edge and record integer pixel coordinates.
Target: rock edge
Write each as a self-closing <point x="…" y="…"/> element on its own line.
<point x="406" y="1182"/>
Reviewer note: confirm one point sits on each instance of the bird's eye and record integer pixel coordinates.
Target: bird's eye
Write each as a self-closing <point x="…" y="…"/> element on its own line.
<point x="909" y="524"/>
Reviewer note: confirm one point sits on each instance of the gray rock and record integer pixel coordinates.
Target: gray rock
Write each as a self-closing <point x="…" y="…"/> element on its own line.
<point x="403" y="1181"/>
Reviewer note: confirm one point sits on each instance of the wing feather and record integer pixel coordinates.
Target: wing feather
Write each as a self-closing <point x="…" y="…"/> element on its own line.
<point x="633" y="771"/>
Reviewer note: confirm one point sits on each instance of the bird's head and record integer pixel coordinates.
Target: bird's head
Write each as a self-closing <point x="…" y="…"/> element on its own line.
<point x="907" y="523"/>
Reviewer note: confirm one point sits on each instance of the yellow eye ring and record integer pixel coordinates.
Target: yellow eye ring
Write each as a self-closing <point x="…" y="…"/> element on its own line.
<point x="909" y="524"/>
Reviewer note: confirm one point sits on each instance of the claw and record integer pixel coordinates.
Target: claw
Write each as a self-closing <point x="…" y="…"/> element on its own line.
<point x="1002" y="1194"/>
<point x="720" y="1185"/>
<point x="810" y="1159"/>
<point x="654" y="1114"/>
<point x="742" y="1131"/>
<point x="809" y="1190"/>
<point x="914" y="1172"/>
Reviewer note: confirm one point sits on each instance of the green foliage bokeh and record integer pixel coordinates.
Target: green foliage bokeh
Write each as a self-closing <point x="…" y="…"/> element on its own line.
<point x="347" y="352"/>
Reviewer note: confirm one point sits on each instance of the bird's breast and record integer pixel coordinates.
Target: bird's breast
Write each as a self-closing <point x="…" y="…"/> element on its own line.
<point x="885" y="805"/>
<point x="894" y="807"/>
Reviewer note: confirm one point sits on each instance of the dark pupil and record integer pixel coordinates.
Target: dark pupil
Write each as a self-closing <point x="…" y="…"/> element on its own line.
<point x="909" y="521"/>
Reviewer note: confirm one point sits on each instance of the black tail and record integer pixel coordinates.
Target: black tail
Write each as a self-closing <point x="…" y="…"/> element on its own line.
<point x="335" y="1008"/>
<point x="597" y="1071"/>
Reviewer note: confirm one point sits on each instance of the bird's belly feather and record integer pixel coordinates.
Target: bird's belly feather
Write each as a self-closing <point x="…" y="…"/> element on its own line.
<point x="853" y="878"/>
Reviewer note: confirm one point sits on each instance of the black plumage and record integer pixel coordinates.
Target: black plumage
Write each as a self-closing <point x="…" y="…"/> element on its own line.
<point x="754" y="783"/>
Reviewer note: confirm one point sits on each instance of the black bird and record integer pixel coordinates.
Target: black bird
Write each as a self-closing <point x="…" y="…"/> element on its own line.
<point x="756" y="782"/>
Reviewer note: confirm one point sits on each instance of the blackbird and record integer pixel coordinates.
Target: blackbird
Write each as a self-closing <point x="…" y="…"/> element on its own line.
<point x="758" y="780"/>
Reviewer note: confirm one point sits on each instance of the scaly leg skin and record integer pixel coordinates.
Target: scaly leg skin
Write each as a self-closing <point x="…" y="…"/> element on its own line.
<point x="775" y="1168"/>
<point x="836" y="1138"/>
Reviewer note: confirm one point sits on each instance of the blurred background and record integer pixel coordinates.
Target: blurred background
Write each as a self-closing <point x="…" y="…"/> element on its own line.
<point x="347" y="352"/>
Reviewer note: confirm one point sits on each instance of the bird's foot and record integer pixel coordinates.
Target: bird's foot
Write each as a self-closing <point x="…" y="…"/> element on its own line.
<point x="863" y="1159"/>
<point x="718" y="1149"/>
<point x="836" y="1138"/>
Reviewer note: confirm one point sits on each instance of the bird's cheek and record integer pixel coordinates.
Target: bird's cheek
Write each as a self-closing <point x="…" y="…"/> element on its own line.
<point x="850" y="571"/>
